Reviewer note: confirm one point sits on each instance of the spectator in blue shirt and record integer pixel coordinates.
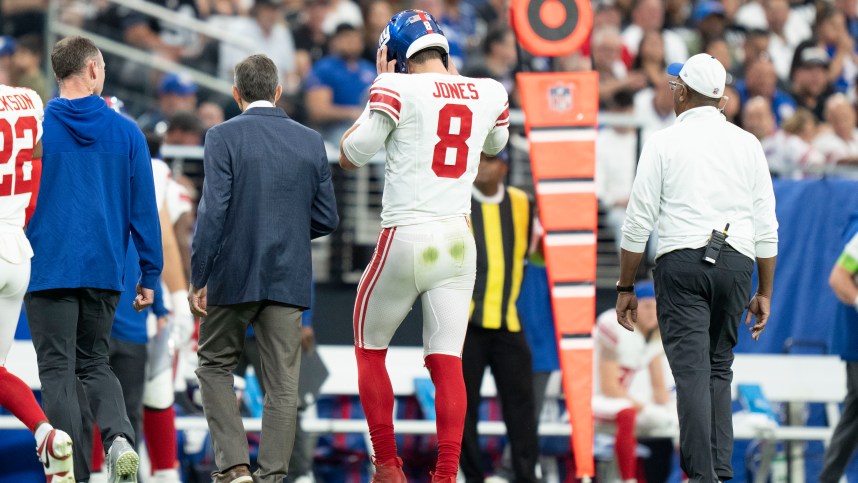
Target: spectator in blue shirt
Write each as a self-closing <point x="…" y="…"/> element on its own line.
<point x="337" y="86"/>
<point x="176" y="93"/>
<point x="761" y="80"/>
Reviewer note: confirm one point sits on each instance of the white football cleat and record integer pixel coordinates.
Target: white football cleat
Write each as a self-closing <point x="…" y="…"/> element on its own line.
<point x="55" y="453"/>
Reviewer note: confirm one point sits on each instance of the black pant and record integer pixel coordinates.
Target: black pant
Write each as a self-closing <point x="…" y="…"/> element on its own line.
<point x="844" y="441"/>
<point x="699" y="308"/>
<point x="71" y="335"/>
<point x="508" y="356"/>
<point x="128" y="361"/>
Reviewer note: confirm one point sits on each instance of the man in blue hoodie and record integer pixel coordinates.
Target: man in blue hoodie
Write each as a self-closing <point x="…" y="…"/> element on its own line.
<point x="96" y="191"/>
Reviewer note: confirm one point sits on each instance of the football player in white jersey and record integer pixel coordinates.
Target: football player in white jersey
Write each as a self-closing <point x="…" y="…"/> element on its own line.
<point x="433" y="124"/>
<point x="159" y="416"/>
<point x="618" y="356"/>
<point x="21" y="115"/>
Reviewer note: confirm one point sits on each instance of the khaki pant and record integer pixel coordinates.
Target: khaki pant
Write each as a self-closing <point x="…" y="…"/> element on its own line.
<point x="278" y="335"/>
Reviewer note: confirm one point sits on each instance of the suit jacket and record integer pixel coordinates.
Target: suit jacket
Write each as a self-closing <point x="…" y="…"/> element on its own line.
<point x="267" y="192"/>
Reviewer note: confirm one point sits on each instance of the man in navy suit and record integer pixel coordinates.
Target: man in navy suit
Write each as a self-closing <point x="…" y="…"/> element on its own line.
<point x="267" y="193"/>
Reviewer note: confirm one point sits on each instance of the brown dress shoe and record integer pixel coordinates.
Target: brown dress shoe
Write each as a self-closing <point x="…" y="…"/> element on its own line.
<point x="388" y="472"/>
<point x="236" y="474"/>
<point x="438" y="479"/>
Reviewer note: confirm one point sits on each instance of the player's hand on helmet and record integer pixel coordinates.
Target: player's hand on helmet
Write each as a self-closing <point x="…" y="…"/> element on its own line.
<point x="145" y="298"/>
<point x="382" y="65"/>
<point x="627" y="310"/>
<point x="759" y="307"/>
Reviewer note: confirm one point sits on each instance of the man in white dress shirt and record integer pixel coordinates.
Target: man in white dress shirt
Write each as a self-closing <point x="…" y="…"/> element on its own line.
<point x="694" y="178"/>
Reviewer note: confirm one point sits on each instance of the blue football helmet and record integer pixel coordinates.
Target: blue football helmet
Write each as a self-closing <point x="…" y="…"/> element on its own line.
<point x="409" y="32"/>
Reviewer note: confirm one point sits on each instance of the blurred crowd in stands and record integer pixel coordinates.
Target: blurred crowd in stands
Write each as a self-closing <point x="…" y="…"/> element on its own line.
<point x="792" y="66"/>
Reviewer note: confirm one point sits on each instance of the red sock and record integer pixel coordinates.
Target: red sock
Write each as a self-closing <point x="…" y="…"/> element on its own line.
<point x="626" y="444"/>
<point x="17" y="397"/>
<point x="451" y="402"/>
<point x="97" y="450"/>
<point x="159" y="427"/>
<point x="376" y="397"/>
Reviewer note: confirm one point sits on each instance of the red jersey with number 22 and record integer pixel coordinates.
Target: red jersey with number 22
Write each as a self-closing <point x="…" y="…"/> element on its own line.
<point x="433" y="153"/>
<point x="21" y="115"/>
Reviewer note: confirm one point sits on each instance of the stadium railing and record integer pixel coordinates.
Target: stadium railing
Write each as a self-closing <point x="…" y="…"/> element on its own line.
<point x="783" y="378"/>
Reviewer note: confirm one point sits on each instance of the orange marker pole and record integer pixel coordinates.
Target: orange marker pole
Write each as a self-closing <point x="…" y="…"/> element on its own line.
<point x="560" y="114"/>
<point x="560" y="118"/>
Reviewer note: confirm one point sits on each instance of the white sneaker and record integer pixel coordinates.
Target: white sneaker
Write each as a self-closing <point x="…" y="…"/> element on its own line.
<point x="55" y="453"/>
<point x="495" y="479"/>
<point x="122" y="462"/>
<point x="166" y="476"/>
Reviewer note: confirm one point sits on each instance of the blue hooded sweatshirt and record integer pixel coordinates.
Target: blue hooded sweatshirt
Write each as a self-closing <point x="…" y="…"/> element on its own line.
<point x="96" y="190"/>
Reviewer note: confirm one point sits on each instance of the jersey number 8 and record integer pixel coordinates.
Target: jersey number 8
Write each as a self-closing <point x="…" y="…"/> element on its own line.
<point x="21" y="174"/>
<point x="451" y="140"/>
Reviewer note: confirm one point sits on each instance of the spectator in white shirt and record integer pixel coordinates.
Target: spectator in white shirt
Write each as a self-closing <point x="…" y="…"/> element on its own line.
<point x="649" y="15"/>
<point x="614" y="76"/>
<point x="801" y="129"/>
<point x="266" y="30"/>
<point x="839" y="144"/>
<point x="694" y="178"/>
<point x="654" y="107"/>
<point x="650" y="60"/>
<point x="787" y="31"/>
<point x="787" y="153"/>
<point x="342" y="12"/>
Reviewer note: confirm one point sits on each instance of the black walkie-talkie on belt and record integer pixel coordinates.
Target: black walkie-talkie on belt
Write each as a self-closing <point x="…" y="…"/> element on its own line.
<point x="716" y="242"/>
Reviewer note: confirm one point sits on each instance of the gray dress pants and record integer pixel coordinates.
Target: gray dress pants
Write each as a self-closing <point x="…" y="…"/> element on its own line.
<point x="699" y="309"/>
<point x="278" y="336"/>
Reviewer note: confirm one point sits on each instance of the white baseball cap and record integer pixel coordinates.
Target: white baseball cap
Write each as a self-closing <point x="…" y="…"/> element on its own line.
<point x="703" y="73"/>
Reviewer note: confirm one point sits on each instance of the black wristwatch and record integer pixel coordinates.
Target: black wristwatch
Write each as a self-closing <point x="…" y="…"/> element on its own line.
<point x="627" y="289"/>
